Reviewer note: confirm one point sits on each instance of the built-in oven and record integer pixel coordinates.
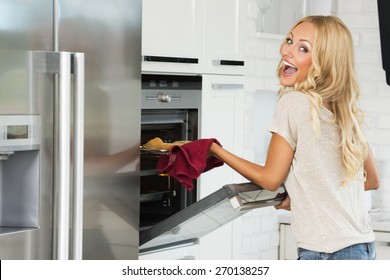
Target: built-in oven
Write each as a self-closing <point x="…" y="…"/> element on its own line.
<point x="170" y="215"/>
<point x="170" y="111"/>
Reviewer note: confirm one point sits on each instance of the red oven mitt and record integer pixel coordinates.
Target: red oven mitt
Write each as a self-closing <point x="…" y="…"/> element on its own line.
<point x="188" y="161"/>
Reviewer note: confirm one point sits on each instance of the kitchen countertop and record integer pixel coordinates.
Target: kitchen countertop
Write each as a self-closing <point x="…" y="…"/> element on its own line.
<point x="379" y="219"/>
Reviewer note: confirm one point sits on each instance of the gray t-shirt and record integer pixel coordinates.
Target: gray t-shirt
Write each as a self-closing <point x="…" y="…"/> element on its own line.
<point x="326" y="216"/>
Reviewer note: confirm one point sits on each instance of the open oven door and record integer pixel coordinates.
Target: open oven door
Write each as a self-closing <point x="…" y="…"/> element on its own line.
<point x="208" y="214"/>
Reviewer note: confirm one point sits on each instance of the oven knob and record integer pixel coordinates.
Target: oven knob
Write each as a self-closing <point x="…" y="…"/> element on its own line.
<point x="164" y="98"/>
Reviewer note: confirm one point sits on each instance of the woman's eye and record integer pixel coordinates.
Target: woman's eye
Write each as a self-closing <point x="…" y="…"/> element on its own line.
<point x="303" y="49"/>
<point x="289" y="41"/>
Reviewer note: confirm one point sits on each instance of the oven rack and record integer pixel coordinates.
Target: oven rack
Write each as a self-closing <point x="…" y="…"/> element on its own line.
<point x="147" y="151"/>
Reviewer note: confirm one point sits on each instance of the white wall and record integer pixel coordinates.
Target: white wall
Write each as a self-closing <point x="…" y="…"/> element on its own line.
<point x="259" y="228"/>
<point x="361" y="17"/>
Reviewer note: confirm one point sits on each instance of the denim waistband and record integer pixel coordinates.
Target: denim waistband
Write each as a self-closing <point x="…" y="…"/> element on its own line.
<point x="360" y="251"/>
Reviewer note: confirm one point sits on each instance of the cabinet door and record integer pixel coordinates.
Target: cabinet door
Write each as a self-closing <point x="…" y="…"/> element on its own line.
<point x="222" y="117"/>
<point x="224" y="34"/>
<point x="172" y="35"/>
<point x="382" y="245"/>
<point x="287" y="246"/>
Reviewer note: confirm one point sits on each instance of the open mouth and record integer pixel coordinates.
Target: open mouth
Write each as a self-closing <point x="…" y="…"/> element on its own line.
<point x="288" y="68"/>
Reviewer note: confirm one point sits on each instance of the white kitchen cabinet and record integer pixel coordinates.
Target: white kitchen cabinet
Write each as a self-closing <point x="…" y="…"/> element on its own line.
<point x="193" y="36"/>
<point x="222" y="117"/>
<point x="288" y="246"/>
<point x="382" y="245"/>
<point x="172" y="37"/>
<point x="224" y="37"/>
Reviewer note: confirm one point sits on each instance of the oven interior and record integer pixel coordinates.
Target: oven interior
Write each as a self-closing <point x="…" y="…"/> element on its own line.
<point x="161" y="195"/>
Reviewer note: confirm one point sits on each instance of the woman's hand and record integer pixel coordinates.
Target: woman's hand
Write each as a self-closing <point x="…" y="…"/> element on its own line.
<point x="285" y="205"/>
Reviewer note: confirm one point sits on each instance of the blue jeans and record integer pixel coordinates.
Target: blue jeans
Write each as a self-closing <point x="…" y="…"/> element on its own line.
<point x="361" y="251"/>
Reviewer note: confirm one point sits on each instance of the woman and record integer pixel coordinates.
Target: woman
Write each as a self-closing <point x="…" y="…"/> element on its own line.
<point x="317" y="146"/>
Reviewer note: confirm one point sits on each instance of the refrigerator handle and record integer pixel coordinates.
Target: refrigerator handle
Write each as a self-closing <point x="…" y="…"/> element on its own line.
<point x="78" y="155"/>
<point x="62" y="64"/>
<point x="63" y="154"/>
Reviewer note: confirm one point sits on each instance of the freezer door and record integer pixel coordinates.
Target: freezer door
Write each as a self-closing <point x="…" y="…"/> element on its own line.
<point x="25" y="26"/>
<point x="109" y="34"/>
<point x="208" y="214"/>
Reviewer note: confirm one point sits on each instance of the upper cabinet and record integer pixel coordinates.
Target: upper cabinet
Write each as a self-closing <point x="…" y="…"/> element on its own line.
<point x="172" y="35"/>
<point x="224" y="37"/>
<point x="278" y="16"/>
<point x="193" y="36"/>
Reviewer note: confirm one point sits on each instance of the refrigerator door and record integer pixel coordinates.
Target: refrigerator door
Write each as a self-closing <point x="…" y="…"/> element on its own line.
<point x="109" y="34"/>
<point x="25" y="26"/>
<point x="22" y="153"/>
<point x="208" y="214"/>
<point x="68" y="130"/>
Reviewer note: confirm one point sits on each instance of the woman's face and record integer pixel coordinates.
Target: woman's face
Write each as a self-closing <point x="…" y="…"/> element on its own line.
<point x="296" y="53"/>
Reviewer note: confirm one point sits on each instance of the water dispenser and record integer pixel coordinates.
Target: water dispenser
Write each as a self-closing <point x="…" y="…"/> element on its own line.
<point x="19" y="172"/>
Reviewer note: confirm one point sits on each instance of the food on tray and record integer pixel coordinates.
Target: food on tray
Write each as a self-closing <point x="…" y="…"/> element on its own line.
<point x="158" y="144"/>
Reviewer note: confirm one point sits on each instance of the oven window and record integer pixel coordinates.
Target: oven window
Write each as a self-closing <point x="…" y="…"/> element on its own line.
<point x="169" y="125"/>
<point x="167" y="132"/>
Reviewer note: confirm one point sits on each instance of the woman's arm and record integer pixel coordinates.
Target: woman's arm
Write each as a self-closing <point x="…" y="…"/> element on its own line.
<point x="272" y="173"/>
<point x="371" y="171"/>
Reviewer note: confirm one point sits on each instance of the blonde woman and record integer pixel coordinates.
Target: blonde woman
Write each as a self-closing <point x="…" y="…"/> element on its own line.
<point x="317" y="146"/>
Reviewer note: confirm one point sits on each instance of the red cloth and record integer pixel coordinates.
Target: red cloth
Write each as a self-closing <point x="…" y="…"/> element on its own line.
<point x="188" y="161"/>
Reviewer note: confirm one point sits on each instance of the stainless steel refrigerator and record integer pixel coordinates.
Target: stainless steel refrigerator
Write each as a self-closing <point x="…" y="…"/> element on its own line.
<point x="70" y="74"/>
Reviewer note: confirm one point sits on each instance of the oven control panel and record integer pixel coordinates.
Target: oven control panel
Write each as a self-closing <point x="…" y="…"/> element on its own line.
<point x="171" y="91"/>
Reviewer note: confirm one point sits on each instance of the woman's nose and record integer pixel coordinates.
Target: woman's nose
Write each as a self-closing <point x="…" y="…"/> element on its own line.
<point x="286" y="51"/>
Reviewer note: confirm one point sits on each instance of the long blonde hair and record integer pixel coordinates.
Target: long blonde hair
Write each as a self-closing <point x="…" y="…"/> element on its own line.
<point x="331" y="78"/>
